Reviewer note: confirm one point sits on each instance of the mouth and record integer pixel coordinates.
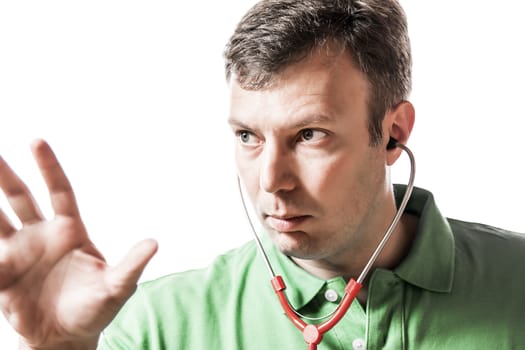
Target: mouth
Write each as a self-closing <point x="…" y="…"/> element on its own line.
<point x="285" y="224"/>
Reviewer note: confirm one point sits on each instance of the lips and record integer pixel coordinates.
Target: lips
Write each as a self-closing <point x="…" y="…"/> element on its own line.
<point x="286" y="223"/>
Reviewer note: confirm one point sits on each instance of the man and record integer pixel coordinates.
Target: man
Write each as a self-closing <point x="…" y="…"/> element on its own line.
<point x="318" y="89"/>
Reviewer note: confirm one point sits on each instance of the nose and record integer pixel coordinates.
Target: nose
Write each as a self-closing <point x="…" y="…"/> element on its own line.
<point x="276" y="169"/>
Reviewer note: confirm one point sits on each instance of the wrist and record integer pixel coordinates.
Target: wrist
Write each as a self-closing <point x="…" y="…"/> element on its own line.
<point x="84" y="344"/>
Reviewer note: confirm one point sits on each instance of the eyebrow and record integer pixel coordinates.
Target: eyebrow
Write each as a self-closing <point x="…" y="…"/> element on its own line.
<point x="312" y="119"/>
<point x="237" y="123"/>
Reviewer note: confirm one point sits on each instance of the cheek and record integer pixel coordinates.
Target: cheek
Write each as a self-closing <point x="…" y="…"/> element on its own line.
<point x="339" y="181"/>
<point x="325" y="182"/>
<point x="248" y="174"/>
<point x="327" y="175"/>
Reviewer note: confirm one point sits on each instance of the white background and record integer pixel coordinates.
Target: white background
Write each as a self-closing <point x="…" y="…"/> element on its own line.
<point x="131" y="95"/>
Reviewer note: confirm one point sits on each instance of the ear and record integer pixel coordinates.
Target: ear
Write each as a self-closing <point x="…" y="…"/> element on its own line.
<point x="398" y="124"/>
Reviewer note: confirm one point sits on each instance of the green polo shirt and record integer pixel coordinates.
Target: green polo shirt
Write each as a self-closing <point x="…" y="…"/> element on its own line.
<point x="462" y="286"/>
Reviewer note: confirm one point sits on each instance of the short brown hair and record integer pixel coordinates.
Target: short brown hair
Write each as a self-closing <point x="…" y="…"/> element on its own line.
<point x="277" y="33"/>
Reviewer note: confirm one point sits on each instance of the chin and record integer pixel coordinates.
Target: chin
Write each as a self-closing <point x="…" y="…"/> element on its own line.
<point x="295" y="244"/>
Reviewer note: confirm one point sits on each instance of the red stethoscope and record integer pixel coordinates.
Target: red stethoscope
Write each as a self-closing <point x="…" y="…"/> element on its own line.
<point x="313" y="333"/>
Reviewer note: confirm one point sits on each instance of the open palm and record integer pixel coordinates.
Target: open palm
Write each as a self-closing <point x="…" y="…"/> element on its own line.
<point x="55" y="287"/>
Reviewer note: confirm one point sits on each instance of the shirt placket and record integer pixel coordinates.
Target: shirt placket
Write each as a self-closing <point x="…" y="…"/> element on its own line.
<point x="385" y="326"/>
<point x="350" y="331"/>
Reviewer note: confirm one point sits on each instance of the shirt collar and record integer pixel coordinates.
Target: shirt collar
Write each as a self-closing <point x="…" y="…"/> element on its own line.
<point x="430" y="261"/>
<point x="429" y="264"/>
<point x="301" y="286"/>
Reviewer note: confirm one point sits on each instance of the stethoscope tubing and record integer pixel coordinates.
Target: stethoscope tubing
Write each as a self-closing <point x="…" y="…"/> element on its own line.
<point x="313" y="333"/>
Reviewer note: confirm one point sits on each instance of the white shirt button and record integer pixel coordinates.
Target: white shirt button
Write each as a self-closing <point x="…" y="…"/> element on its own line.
<point x="358" y="344"/>
<point x="331" y="295"/>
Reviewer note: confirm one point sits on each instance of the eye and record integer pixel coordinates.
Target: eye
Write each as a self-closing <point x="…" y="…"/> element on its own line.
<point x="246" y="137"/>
<point x="311" y="135"/>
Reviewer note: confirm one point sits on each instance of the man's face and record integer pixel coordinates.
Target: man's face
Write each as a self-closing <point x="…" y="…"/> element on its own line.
<point x="303" y="154"/>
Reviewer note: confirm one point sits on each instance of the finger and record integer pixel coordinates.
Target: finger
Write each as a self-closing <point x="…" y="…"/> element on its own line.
<point x="91" y="249"/>
<point x="6" y="227"/>
<point x="18" y="195"/>
<point x="60" y="190"/>
<point x="123" y="277"/>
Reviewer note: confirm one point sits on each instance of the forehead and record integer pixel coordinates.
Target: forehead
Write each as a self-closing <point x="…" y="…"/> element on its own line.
<point x="321" y="83"/>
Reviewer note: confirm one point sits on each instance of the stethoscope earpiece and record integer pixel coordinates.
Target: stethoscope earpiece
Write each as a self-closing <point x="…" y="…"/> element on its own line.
<point x="392" y="143"/>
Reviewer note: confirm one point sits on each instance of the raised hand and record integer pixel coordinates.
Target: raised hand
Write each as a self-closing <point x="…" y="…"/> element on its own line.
<point x="56" y="289"/>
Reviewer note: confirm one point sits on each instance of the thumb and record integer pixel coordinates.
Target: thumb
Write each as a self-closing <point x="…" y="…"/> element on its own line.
<point x="124" y="276"/>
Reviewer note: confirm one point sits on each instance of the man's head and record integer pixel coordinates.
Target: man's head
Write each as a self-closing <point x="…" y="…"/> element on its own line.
<point x="305" y="77"/>
<point x="277" y="33"/>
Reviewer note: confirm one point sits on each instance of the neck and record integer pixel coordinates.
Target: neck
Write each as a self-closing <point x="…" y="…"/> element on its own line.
<point x="350" y="264"/>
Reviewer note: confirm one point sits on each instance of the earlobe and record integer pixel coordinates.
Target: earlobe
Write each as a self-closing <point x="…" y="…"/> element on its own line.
<point x="398" y="125"/>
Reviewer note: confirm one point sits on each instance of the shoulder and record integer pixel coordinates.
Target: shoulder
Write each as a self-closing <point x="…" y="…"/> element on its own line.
<point x="223" y="270"/>
<point x="479" y="239"/>
<point x="489" y="257"/>
<point x="487" y="283"/>
<point x="166" y="310"/>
